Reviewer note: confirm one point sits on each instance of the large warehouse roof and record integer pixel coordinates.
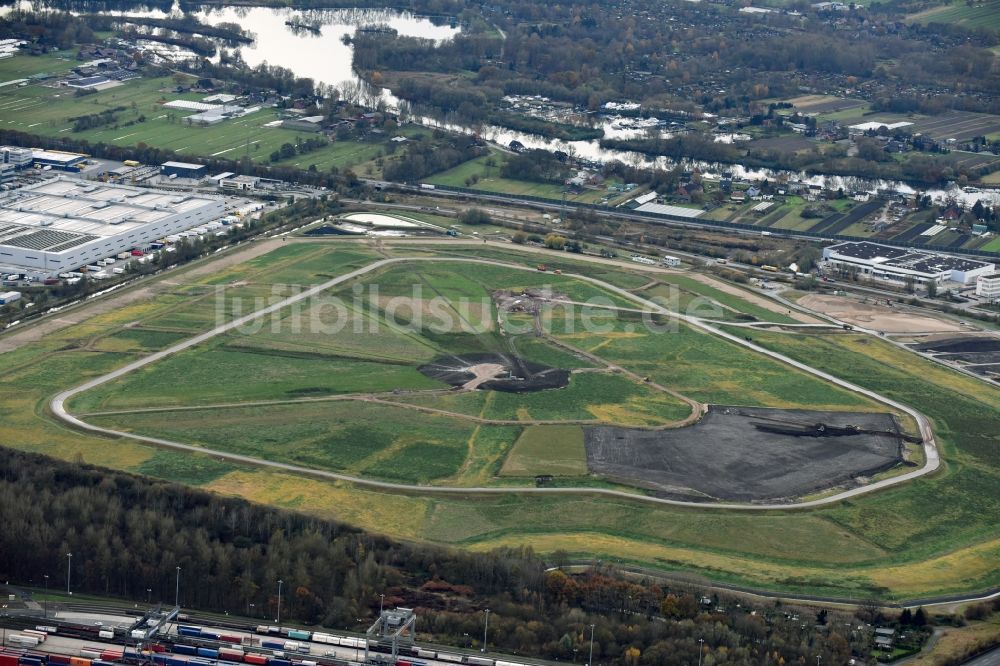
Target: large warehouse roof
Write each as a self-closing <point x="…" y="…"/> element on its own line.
<point x="59" y="214"/>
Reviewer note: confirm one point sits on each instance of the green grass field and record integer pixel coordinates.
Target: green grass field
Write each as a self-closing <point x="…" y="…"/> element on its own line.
<point x="934" y="535"/>
<point x="48" y="111"/>
<point x="979" y="14"/>
<point x="555" y="450"/>
<point x="490" y="180"/>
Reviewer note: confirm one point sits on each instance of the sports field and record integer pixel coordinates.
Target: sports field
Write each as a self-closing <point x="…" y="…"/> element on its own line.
<point x="365" y="411"/>
<point x="138" y="116"/>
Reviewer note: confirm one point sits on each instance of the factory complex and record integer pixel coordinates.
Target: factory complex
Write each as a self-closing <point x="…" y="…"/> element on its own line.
<point x="893" y="264"/>
<point x="66" y="223"/>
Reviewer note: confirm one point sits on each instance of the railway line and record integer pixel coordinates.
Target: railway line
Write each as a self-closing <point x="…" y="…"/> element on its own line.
<point x="104" y="639"/>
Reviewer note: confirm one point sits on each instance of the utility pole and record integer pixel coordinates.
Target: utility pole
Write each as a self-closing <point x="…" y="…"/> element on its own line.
<point x="486" y="628"/>
<point x="701" y="648"/>
<point x="590" y="660"/>
<point x="381" y="599"/>
<point x="177" y="589"/>
<point x="45" y="605"/>
<point x="280" y="583"/>
<point x="69" y="570"/>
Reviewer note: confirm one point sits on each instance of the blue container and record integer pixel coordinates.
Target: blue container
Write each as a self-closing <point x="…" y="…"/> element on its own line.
<point x="185" y="649"/>
<point x="208" y="652"/>
<point x="278" y="662"/>
<point x="189" y="631"/>
<point x="273" y="645"/>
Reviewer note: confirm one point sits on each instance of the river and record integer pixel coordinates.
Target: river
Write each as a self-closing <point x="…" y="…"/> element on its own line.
<point x="325" y="58"/>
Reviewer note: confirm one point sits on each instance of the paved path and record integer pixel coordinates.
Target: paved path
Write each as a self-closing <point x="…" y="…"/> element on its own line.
<point x="58" y="407"/>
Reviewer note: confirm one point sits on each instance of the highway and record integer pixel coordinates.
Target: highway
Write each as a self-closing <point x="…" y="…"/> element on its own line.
<point x="58" y="408"/>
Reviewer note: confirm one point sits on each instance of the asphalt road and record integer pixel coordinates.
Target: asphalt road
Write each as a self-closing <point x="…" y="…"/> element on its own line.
<point x="58" y="408"/>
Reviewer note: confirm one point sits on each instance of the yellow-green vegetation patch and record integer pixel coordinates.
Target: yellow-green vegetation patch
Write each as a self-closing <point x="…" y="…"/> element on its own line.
<point x="592" y="396"/>
<point x="544" y="450"/>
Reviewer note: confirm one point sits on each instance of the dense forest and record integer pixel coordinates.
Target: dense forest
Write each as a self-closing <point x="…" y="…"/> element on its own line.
<point x="129" y="533"/>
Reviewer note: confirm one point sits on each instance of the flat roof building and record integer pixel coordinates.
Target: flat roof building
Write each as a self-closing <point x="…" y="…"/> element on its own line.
<point x="988" y="287"/>
<point x="61" y="224"/>
<point x="184" y="170"/>
<point x="19" y="157"/>
<point x="894" y="264"/>
<point x="58" y="159"/>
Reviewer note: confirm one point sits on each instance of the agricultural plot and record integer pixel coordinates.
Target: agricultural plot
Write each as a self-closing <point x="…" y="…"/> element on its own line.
<point x="824" y="103"/>
<point x="974" y="15"/>
<point x="959" y="125"/>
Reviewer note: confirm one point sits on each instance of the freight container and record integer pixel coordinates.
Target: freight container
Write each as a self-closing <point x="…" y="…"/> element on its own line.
<point x="106" y="633"/>
<point x="208" y="652"/>
<point x="89" y="653"/>
<point x="22" y="640"/>
<point x="27" y="660"/>
<point x="8" y="660"/>
<point x="227" y="638"/>
<point x="111" y="655"/>
<point x="185" y="649"/>
<point x="40" y="635"/>
<point x="60" y="659"/>
<point x="230" y="654"/>
<point x="189" y="631"/>
<point x="124" y="255"/>
<point x="291" y="646"/>
<point x="256" y="659"/>
<point x="102" y="662"/>
<point x="299" y="635"/>
<point x="261" y="628"/>
<point x="272" y="644"/>
<point x="210" y="635"/>
<point x="279" y="662"/>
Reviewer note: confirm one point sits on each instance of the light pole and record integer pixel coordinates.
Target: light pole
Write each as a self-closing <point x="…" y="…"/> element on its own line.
<point x="590" y="660"/>
<point x="280" y="583"/>
<point x="381" y="598"/>
<point x="69" y="570"/>
<point x="45" y="605"/>
<point x="701" y="648"/>
<point x="149" y="595"/>
<point x="486" y="628"/>
<point x="177" y="589"/>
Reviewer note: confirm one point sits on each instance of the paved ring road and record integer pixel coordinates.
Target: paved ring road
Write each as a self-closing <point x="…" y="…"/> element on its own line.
<point x="58" y="407"/>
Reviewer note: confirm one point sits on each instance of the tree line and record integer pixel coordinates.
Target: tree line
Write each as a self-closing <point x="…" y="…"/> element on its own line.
<point x="129" y="533"/>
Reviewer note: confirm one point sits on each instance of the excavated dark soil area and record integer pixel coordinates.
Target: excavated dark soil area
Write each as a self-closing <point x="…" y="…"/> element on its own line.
<point x="748" y="454"/>
<point x="960" y="345"/>
<point x="519" y="375"/>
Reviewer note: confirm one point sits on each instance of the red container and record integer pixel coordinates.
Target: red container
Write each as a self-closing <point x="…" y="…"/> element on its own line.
<point x="258" y="659"/>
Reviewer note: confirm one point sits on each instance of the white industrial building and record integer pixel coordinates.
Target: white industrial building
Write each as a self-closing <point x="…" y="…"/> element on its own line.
<point x="892" y="264"/>
<point x="988" y="287"/>
<point x="62" y="224"/>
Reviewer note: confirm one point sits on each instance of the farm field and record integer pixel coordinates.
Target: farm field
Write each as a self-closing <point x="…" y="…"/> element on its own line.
<point x="977" y="14"/>
<point x="933" y="535"/>
<point x="556" y="450"/>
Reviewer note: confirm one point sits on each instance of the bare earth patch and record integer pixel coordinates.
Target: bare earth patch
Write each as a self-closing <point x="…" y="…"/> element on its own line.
<point x="878" y="317"/>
